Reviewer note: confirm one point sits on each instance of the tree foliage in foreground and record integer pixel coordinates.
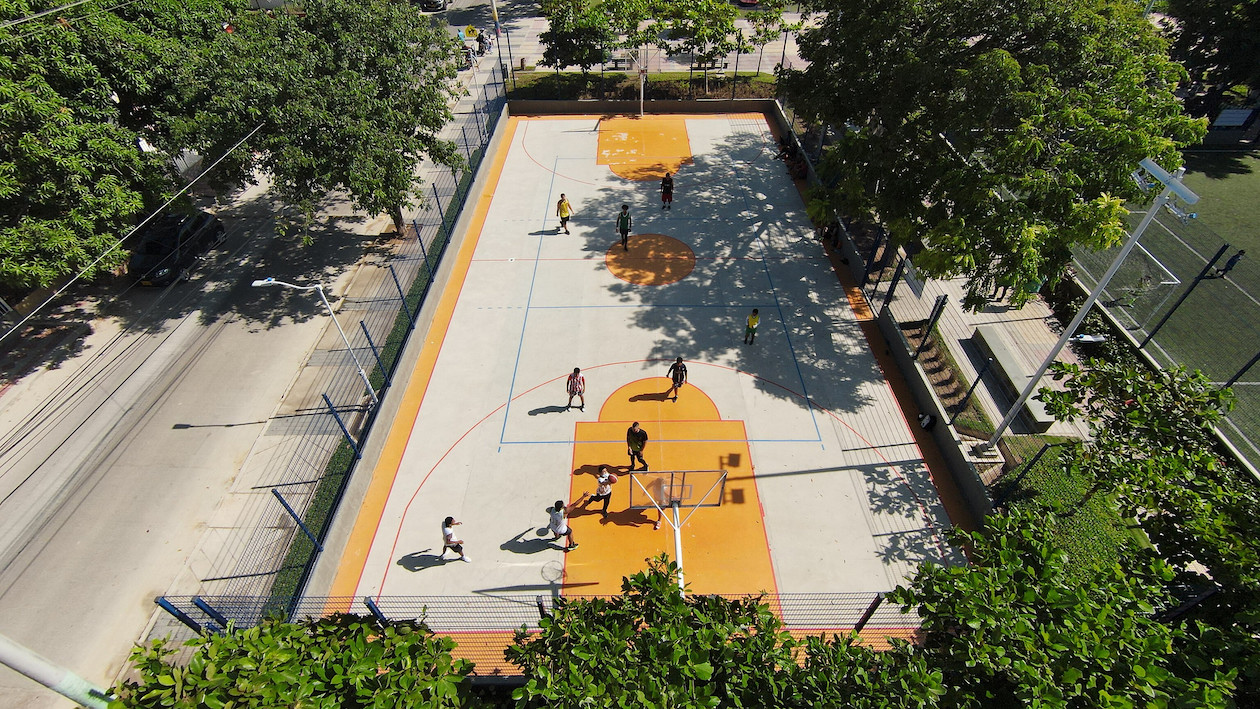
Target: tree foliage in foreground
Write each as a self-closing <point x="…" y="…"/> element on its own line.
<point x="654" y="647"/>
<point x="1154" y="450"/>
<point x="581" y="33"/>
<point x="1016" y="629"/>
<point x="999" y="135"/>
<point x="341" y="661"/>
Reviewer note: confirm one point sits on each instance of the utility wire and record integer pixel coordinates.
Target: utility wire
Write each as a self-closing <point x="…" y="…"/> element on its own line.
<point x="36" y="16"/>
<point x="126" y="236"/>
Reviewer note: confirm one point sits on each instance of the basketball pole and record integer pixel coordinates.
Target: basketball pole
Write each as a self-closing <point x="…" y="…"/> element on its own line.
<point x="1172" y="186"/>
<point x="682" y="585"/>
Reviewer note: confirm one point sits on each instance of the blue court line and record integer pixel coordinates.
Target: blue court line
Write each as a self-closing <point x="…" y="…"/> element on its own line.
<point x="520" y="342"/>
<point x="788" y="336"/>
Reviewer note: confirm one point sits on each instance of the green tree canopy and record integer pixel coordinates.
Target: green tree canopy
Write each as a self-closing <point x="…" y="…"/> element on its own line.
<point x="1217" y="40"/>
<point x="998" y="135"/>
<point x="581" y="31"/>
<point x="1014" y="629"/>
<point x="654" y="647"/>
<point x="1153" y="448"/>
<point x="351" y="96"/>
<point x="578" y="33"/>
<point x="72" y="175"/>
<point x="341" y="661"/>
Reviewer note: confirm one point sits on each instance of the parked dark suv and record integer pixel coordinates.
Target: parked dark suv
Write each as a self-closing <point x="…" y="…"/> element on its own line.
<point x="170" y="246"/>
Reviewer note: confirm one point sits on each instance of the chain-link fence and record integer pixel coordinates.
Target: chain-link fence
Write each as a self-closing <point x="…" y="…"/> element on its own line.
<point x="312" y="453"/>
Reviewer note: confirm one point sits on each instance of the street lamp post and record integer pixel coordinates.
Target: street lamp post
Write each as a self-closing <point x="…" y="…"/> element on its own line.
<point x="319" y="288"/>
<point x="1172" y="186"/>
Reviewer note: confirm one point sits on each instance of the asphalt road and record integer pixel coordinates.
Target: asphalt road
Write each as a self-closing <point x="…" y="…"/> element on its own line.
<point x="111" y="463"/>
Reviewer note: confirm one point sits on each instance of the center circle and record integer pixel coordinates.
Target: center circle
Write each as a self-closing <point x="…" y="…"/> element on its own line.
<point x="652" y="260"/>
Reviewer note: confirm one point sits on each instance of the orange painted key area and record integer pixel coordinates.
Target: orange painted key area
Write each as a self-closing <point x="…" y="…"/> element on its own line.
<point x="638" y="149"/>
<point x="724" y="548"/>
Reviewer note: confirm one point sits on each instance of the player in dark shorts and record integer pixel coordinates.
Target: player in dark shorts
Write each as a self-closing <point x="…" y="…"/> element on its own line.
<point x="667" y="191"/>
<point x="678" y="375"/>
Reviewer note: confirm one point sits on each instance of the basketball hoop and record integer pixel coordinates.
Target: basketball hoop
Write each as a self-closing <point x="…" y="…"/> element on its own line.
<point x="674" y="489"/>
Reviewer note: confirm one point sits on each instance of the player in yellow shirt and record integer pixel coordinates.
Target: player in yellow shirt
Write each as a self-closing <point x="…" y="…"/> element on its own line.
<point x="564" y="210"/>
<point x="750" y="332"/>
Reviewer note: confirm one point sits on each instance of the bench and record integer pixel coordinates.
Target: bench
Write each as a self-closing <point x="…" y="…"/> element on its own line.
<point x="618" y="63"/>
<point x="714" y="66"/>
<point x="1011" y="372"/>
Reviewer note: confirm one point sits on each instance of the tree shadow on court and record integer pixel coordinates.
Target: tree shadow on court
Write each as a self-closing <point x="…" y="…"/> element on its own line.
<point x="905" y="524"/>
<point x="741" y="214"/>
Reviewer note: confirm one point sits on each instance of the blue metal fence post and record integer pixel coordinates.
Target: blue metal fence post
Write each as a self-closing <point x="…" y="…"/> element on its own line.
<point x="210" y="611"/>
<point x="376" y="611"/>
<point x="345" y="431"/>
<point x="375" y="353"/>
<point x="868" y="263"/>
<point x="401" y="295"/>
<point x="467" y="148"/>
<point x="428" y="268"/>
<point x="296" y="518"/>
<point x="179" y="615"/>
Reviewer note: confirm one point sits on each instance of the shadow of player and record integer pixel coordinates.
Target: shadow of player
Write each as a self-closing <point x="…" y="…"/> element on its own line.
<point x="547" y="410"/>
<point x="630" y="518"/>
<point x="652" y="396"/>
<point x="421" y="560"/>
<point x="520" y="545"/>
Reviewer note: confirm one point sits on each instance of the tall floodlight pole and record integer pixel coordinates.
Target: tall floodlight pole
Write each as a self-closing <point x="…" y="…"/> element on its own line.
<point x="319" y="288"/>
<point x="54" y="677"/>
<point x="1172" y="187"/>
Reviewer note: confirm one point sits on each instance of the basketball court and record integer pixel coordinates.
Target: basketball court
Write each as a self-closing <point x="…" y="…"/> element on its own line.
<point x="822" y="485"/>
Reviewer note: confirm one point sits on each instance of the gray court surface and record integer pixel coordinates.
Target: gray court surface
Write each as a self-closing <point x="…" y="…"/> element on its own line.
<point x="846" y="499"/>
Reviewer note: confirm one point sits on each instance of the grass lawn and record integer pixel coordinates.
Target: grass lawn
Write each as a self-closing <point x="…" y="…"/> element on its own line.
<point x="1229" y="183"/>
<point x="1086" y="526"/>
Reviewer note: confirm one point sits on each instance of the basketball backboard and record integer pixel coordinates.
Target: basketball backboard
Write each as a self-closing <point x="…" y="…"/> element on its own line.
<point x="688" y="488"/>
